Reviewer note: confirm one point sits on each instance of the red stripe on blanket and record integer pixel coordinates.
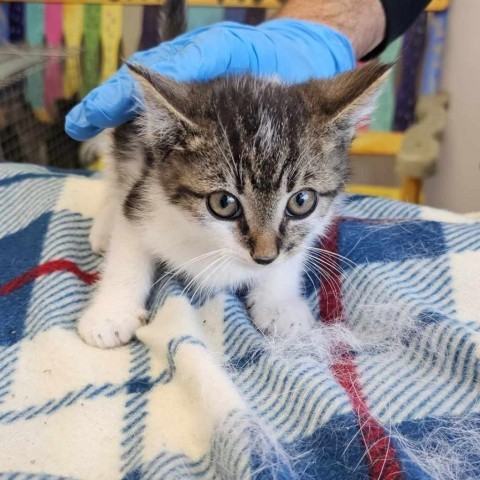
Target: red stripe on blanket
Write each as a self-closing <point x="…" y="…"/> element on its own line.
<point x="46" y="269"/>
<point x="380" y="452"/>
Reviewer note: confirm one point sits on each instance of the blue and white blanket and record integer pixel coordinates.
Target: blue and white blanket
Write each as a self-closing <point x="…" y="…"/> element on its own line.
<point x="386" y="387"/>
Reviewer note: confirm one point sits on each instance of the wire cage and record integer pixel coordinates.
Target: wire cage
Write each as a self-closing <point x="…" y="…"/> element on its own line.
<point x="38" y="86"/>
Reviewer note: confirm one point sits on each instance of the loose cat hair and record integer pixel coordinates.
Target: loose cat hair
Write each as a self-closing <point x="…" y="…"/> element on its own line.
<point x="226" y="182"/>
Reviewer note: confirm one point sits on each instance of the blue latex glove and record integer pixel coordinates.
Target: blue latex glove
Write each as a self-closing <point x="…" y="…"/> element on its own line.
<point x="293" y="50"/>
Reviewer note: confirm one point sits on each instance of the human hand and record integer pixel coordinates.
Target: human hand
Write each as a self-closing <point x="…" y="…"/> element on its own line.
<point x="291" y="50"/>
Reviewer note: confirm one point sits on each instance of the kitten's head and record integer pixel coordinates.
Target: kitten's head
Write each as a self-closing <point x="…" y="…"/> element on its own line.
<point x="254" y="163"/>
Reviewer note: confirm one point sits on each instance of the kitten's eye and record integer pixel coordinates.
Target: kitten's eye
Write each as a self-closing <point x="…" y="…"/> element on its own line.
<point x="302" y="204"/>
<point x="224" y="205"/>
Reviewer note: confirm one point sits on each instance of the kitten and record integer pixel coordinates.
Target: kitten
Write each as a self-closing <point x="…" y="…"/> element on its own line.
<point x="227" y="182"/>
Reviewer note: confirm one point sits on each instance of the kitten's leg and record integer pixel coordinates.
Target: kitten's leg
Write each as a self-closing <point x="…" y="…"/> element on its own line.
<point x="103" y="225"/>
<point x="104" y="220"/>
<point x="118" y="306"/>
<point x="276" y="304"/>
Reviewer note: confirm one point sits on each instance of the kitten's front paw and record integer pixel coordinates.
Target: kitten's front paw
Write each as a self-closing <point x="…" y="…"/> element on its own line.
<point x="105" y="326"/>
<point x="290" y="317"/>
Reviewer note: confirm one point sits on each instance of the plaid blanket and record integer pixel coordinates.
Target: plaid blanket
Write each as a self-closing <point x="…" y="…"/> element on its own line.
<point x="386" y="386"/>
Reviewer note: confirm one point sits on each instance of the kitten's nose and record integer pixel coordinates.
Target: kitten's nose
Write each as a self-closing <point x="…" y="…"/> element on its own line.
<point x="264" y="260"/>
<point x="265" y="248"/>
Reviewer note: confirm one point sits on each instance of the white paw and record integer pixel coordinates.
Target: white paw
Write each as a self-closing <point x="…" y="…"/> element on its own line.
<point x="105" y="326"/>
<point x="99" y="237"/>
<point x="288" y="317"/>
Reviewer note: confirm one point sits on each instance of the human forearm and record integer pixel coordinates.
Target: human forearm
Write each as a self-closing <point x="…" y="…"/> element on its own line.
<point x="361" y="21"/>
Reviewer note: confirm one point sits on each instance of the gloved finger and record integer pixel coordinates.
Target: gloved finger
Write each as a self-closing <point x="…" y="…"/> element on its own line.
<point x="214" y="52"/>
<point x="77" y="126"/>
<point x="103" y="107"/>
<point x="114" y="102"/>
<point x="202" y="59"/>
<point x="217" y="52"/>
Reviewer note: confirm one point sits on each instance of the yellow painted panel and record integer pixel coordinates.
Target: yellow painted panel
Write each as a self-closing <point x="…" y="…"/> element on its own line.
<point x="111" y="27"/>
<point x="72" y="33"/>
<point x="377" y="143"/>
<point x="379" y="191"/>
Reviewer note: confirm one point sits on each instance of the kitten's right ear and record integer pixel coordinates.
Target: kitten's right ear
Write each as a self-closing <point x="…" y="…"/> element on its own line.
<point x="164" y="102"/>
<point x="348" y="97"/>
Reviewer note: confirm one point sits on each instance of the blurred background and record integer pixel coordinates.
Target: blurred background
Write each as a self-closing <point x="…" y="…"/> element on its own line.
<point x="421" y="145"/>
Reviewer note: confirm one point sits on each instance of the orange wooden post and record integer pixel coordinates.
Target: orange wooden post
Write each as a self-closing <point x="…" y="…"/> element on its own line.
<point x="411" y="189"/>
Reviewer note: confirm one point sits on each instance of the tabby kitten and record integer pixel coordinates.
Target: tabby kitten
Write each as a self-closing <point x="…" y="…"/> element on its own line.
<point x="227" y="182"/>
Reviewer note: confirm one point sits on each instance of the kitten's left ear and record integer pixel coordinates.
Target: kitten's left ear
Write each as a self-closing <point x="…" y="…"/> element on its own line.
<point x="348" y="97"/>
<point x="165" y="103"/>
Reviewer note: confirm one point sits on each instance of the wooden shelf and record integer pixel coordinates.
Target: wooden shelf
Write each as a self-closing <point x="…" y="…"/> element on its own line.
<point x="394" y="193"/>
<point x="377" y="143"/>
<point x="438" y="5"/>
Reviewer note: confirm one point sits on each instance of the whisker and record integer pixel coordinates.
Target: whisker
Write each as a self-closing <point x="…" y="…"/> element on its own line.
<point x="329" y="266"/>
<point x="223" y="266"/>
<point x="174" y="271"/>
<point x="202" y="272"/>
<point x="172" y="275"/>
<point x="309" y="277"/>
<point x="334" y="254"/>
<point x="204" y="281"/>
